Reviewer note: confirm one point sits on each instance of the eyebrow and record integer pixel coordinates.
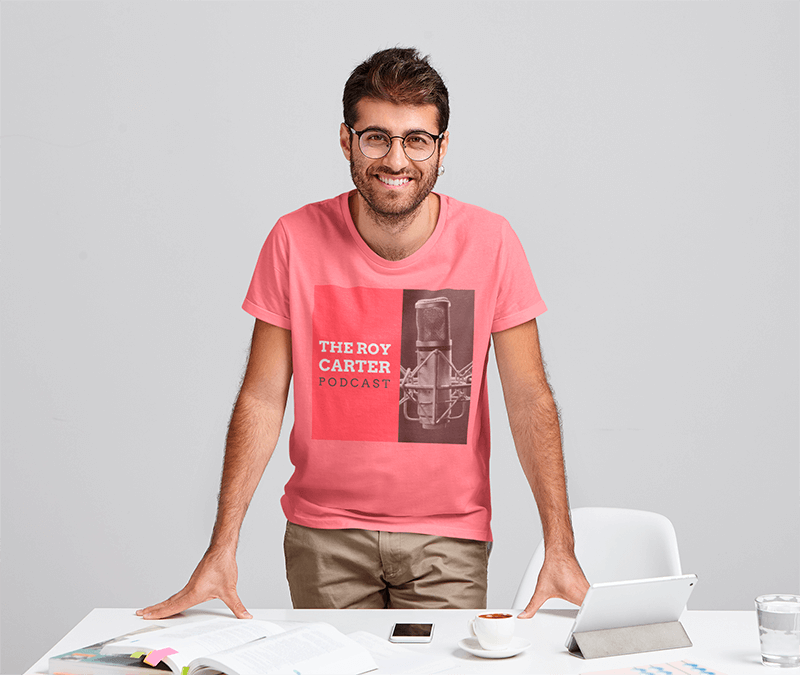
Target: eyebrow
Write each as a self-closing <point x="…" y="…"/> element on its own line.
<point x="389" y="133"/>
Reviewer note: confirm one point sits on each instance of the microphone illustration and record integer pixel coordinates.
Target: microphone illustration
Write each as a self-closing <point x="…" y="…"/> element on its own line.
<point x="439" y="389"/>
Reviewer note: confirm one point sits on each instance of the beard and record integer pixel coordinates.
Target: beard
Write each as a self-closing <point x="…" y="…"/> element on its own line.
<point x="393" y="211"/>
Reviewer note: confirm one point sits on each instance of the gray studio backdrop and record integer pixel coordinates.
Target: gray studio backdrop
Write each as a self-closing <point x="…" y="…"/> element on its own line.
<point x="646" y="153"/>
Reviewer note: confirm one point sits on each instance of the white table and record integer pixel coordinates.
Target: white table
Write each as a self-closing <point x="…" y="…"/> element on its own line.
<point x="724" y="641"/>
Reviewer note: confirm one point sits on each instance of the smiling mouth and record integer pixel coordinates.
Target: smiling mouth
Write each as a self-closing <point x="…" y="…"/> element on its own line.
<point x="394" y="182"/>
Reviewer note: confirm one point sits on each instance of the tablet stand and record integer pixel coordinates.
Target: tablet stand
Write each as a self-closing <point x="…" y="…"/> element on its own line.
<point x="629" y="640"/>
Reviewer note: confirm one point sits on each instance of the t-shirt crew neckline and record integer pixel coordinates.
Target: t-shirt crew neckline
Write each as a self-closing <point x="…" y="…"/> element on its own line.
<point x="373" y="257"/>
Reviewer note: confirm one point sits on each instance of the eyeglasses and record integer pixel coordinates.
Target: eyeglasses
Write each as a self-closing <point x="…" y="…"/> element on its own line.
<point x="418" y="145"/>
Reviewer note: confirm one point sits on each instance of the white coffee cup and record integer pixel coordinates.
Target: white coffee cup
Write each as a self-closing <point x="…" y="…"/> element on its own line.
<point x="494" y="630"/>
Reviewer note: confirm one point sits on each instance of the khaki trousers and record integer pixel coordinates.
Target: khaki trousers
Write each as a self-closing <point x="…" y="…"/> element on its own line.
<point x="348" y="569"/>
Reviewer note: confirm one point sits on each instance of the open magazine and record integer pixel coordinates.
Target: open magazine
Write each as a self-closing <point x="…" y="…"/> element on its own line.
<point x="237" y="647"/>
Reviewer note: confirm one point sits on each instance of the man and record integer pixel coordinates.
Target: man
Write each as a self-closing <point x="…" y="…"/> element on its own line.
<point x="389" y="294"/>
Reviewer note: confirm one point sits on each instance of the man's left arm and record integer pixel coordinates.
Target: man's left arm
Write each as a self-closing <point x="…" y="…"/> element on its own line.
<point x="533" y="417"/>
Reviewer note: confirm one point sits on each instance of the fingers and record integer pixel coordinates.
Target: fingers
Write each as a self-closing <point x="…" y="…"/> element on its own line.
<point x="536" y="602"/>
<point x="185" y="599"/>
<point x="565" y="581"/>
<point x="575" y="585"/>
<point x="577" y="591"/>
<point x="214" y="577"/>
<point x="174" y="605"/>
<point x="236" y="606"/>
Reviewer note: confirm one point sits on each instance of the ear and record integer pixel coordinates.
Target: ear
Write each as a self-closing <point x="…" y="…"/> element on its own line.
<point x="344" y="140"/>
<point x="443" y="147"/>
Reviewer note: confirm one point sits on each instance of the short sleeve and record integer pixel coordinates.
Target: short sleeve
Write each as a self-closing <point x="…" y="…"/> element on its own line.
<point x="518" y="298"/>
<point x="268" y="296"/>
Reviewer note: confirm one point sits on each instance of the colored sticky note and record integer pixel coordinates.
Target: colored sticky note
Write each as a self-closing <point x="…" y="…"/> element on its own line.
<point x="138" y="655"/>
<point x="154" y="657"/>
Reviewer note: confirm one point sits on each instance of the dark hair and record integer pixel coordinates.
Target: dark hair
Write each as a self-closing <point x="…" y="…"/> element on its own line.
<point x="400" y="75"/>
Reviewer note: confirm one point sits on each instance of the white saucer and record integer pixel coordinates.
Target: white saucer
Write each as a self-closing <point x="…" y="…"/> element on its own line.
<point x="471" y="645"/>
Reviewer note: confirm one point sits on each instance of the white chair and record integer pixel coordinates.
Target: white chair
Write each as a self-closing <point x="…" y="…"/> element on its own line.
<point x="611" y="545"/>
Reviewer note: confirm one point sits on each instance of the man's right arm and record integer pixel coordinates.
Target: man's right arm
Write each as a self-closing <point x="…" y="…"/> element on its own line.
<point x="252" y="434"/>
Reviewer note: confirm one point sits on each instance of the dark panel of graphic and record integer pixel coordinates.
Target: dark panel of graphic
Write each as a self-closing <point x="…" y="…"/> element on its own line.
<point x="436" y="366"/>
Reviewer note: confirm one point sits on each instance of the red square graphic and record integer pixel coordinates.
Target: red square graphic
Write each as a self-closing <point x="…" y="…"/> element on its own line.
<point x="356" y="363"/>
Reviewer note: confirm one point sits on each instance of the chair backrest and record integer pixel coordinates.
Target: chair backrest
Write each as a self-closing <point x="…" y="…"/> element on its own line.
<point x="612" y="545"/>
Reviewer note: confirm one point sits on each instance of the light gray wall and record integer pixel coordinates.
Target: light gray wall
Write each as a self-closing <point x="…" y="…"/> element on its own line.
<point x="646" y="153"/>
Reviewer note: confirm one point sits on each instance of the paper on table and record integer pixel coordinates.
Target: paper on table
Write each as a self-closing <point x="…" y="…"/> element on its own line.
<point x="675" y="668"/>
<point x="393" y="659"/>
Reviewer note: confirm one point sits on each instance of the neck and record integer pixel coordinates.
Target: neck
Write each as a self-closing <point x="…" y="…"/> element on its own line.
<point x="395" y="237"/>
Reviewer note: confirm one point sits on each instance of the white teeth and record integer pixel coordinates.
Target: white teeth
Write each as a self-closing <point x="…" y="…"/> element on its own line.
<point x="393" y="181"/>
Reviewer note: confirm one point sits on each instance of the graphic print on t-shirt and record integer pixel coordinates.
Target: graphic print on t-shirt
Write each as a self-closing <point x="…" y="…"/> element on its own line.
<point x="436" y="366"/>
<point x="361" y="392"/>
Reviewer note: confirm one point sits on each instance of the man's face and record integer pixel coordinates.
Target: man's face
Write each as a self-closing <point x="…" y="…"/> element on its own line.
<point x="393" y="186"/>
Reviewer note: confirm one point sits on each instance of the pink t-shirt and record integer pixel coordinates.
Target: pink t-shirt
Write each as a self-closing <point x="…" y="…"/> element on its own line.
<point x="391" y="410"/>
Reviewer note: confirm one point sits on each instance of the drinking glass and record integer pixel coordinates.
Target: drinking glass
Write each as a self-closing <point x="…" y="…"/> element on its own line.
<point x="779" y="629"/>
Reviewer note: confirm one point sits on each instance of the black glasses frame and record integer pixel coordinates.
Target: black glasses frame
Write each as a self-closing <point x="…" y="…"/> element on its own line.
<point x="391" y="140"/>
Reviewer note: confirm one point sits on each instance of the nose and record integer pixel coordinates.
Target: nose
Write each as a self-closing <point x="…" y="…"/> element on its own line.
<point x="396" y="158"/>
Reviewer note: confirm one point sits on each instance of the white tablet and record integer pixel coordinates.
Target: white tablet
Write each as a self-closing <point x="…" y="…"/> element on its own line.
<point x="617" y="604"/>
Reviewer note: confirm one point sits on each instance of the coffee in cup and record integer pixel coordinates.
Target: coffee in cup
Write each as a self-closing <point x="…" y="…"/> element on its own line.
<point x="494" y="630"/>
